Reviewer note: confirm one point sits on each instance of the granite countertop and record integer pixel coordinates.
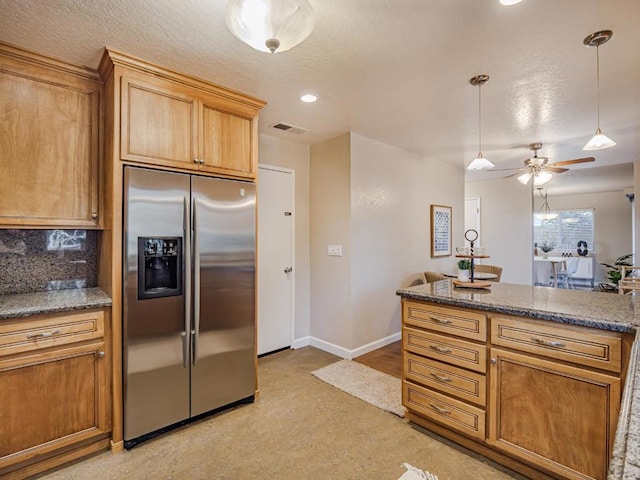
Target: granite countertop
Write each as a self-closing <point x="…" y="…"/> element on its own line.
<point x="38" y="303"/>
<point x="601" y="310"/>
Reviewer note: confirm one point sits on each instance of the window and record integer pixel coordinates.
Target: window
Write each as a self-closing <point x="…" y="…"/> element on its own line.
<point x="565" y="229"/>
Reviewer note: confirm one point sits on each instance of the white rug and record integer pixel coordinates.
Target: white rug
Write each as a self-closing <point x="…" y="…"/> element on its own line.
<point x="414" y="473"/>
<point x="379" y="389"/>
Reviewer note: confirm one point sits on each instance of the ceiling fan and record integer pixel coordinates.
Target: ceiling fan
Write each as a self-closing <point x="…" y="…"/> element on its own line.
<point x="540" y="169"/>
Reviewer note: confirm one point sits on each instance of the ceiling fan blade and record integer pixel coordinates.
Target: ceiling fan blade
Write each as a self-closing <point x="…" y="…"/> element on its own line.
<point x="575" y="160"/>
<point x="512" y="175"/>
<point x="557" y="169"/>
<point x="506" y="169"/>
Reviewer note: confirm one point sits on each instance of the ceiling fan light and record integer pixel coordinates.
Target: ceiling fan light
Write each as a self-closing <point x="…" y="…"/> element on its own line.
<point x="480" y="163"/>
<point x="599" y="142"/>
<point x="270" y="25"/>
<point x="524" y="178"/>
<point x="541" y="178"/>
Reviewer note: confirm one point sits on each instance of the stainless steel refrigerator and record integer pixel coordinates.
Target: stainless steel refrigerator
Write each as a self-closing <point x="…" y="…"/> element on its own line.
<point x="188" y="298"/>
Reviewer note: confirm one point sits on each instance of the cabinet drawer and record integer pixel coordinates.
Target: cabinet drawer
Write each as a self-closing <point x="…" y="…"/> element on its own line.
<point x="448" y="379"/>
<point x="442" y="409"/>
<point x="48" y="331"/>
<point x="446" y="320"/>
<point x="582" y="345"/>
<point x="446" y="349"/>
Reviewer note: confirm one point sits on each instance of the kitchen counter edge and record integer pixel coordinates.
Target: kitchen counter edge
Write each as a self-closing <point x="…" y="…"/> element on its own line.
<point x="41" y="303"/>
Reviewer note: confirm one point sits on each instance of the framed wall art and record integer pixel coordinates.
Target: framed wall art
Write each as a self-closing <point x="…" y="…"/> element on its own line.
<point x="440" y="231"/>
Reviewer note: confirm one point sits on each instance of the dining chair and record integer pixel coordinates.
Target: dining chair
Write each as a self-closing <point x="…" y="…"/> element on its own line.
<point x="490" y="269"/>
<point x="431" y="277"/>
<point x="566" y="276"/>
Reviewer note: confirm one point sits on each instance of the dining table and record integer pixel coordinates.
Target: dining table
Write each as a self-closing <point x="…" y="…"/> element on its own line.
<point x="476" y="275"/>
<point x="553" y="261"/>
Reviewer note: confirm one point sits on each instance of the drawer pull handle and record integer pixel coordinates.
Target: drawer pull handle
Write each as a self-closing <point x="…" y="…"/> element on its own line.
<point x="441" y="321"/>
<point x="440" y="378"/>
<point x="547" y="343"/>
<point x="440" y="349"/>
<point x="441" y="410"/>
<point x="44" y="334"/>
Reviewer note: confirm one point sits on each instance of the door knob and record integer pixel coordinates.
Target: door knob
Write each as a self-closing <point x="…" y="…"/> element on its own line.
<point x="288" y="270"/>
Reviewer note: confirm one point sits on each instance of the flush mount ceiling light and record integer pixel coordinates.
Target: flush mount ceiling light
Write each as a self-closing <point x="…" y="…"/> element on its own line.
<point x="599" y="141"/>
<point x="270" y="25"/>
<point x="509" y="2"/>
<point x="309" y="98"/>
<point x="479" y="163"/>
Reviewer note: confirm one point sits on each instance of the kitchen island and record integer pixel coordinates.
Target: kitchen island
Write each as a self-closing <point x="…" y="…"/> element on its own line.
<point x="476" y="364"/>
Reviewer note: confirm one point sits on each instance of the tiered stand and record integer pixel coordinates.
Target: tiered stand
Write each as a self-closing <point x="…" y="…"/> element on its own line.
<point x="471" y="236"/>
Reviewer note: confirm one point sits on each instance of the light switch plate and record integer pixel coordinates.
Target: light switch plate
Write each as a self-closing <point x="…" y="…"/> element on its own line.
<point x="334" y="250"/>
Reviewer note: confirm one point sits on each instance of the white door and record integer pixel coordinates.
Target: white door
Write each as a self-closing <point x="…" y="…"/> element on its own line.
<point x="472" y="217"/>
<point x="276" y="271"/>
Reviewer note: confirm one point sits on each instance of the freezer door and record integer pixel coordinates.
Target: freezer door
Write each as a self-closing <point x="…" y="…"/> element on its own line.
<point x="156" y="356"/>
<point x="223" y="361"/>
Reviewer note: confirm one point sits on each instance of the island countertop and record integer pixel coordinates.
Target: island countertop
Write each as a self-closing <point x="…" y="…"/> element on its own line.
<point x="601" y="310"/>
<point x="40" y="303"/>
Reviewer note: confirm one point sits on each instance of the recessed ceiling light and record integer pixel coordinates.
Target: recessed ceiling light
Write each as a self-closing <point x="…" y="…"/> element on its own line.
<point x="309" y="98"/>
<point x="509" y="2"/>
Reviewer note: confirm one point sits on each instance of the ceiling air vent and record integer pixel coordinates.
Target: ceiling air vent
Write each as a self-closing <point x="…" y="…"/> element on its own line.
<point x="286" y="127"/>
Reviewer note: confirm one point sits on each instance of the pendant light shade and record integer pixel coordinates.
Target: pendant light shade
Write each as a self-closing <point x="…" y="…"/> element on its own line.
<point x="270" y="25"/>
<point x="599" y="141"/>
<point x="480" y="163"/>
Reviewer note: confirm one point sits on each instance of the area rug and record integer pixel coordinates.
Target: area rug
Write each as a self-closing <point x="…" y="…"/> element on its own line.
<point x="376" y="388"/>
<point x="414" y="473"/>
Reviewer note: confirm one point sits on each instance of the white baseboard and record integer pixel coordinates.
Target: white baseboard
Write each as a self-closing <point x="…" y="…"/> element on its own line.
<point x="301" y="342"/>
<point x="356" y="352"/>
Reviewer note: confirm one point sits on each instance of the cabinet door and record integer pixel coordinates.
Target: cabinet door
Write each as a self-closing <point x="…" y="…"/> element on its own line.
<point x="158" y="124"/>
<point x="51" y="400"/>
<point x="49" y="147"/>
<point x="558" y="417"/>
<point x="226" y="143"/>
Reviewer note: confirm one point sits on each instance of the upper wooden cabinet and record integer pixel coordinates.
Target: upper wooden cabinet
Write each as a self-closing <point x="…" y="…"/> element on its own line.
<point x="169" y="120"/>
<point x="49" y="142"/>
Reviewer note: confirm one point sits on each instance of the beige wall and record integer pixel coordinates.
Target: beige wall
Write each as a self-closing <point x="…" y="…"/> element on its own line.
<point x="330" y="225"/>
<point x="636" y="211"/>
<point x="506" y="226"/>
<point x="613" y="223"/>
<point x="295" y="156"/>
<point x="373" y="199"/>
<point x="391" y="192"/>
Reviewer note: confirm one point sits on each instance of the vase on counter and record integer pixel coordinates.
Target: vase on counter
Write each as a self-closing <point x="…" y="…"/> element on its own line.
<point x="463" y="275"/>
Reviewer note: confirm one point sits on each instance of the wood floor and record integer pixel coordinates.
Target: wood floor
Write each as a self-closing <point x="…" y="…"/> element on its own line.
<point x="386" y="359"/>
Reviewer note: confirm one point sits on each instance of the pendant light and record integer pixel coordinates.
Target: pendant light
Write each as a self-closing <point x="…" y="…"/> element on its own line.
<point x="599" y="141"/>
<point x="545" y="212"/>
<point x="479" y="163"/>
<point x="270" y="25"/>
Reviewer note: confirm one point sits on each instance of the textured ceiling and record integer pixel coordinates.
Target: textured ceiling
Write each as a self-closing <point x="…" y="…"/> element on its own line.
<point x="393" y="70"/>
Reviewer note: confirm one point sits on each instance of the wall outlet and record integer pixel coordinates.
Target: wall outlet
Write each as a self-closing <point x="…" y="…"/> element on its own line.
<point x="334" y="250"/>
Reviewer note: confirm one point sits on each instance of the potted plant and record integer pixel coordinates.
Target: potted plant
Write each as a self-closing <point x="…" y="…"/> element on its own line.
<point x="614" y="274"/>
<point x="546" y="248"/>
<point x="464" y="266"/>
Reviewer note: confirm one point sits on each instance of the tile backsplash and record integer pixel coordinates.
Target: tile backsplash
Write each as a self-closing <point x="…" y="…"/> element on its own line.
<point x="40" y="260"/>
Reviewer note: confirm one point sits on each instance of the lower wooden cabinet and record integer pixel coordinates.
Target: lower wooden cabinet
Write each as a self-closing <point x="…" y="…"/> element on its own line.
<point x="558" y="417"/>
<point x="541" y="397"/>
<point x="55" y="398"/>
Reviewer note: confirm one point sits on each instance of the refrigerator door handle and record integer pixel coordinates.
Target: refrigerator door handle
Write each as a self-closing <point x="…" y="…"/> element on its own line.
<point x="196" y="285"/>
<point x="186" y="225"/>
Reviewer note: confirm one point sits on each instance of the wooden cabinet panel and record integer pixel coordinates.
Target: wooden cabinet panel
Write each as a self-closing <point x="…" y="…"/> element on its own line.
<point x="51" y="400"/>
<point x="586" y="346"/>
<point x="158" y="124"/>
<point x="443" y="409"/>
<point x="561" y="418"/>
<point x="49" y="144"/>
<point x="446" y="378"/>
<point x="29" y="334"/>
<point x="447" y="320"/>
<point x="226" y="143"/>
<point x="446" y="349"/>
